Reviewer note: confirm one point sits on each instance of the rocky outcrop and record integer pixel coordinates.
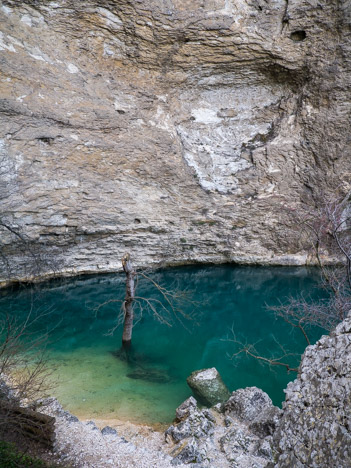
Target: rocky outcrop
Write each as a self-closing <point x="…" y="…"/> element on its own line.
<point x="253" y="405"/>
<point x="239" y="434"/>
<point x="315" y="429"/>
<point x="180" y="131"/>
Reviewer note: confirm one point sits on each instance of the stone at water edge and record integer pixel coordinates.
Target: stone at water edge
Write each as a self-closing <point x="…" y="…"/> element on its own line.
<point x="184" y="410"/>
<point x="247" y="403"/>
<point x="208" y="386"/>
<point x="207" y="437"/>
<point x="107" y="430"/>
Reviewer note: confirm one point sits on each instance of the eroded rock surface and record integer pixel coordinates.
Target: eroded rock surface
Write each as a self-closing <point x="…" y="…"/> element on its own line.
<point x="315" y="429"/>
<point x="179" y="130"/>
<point x="216" y="438"/>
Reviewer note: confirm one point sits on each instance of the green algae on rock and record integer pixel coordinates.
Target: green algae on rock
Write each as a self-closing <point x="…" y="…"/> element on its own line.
<point x="208" y="386"/>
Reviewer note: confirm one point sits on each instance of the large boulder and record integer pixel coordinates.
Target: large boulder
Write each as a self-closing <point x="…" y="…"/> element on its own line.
<point x="208" y="438"/>
<point x="253" y="406"/>
<point x="208" y="387"/>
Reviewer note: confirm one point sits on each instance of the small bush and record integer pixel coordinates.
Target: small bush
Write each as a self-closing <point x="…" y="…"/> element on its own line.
<point x="10" y="457"/>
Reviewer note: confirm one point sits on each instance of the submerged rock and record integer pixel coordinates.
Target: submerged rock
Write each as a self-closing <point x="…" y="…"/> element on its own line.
<point x="131" y="356"/>
<point x="208" y="386"/>
<point x="150" y="375"/>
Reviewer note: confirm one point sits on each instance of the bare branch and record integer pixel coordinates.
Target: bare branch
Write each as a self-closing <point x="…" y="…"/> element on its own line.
<point x="249" y="349"/>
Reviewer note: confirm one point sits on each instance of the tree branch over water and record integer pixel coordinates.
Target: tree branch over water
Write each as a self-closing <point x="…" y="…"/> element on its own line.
<point x="249" y="349"/>
<point x="328" y="230"/>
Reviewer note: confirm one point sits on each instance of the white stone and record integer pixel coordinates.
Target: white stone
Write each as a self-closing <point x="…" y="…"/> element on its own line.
<point x="207" y="374"/>
<point x="72" y="68"/>
<point x="6" y="9"/>
<point x="26" y="19"/>
<point x="4" y="46"/>
<point x="111" y="20"/>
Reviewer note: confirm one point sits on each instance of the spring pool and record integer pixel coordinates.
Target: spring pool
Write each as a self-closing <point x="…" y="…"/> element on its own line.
<point x="91" y="382"/>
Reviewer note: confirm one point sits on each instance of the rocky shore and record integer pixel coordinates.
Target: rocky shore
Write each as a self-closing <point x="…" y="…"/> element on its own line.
<point x="246" y="431"/>
<point x="236" y="434"/>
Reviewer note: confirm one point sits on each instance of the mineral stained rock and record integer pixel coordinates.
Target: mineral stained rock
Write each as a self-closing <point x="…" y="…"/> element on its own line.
<point x="208" y="386"/>
<point x="182" y="131"/>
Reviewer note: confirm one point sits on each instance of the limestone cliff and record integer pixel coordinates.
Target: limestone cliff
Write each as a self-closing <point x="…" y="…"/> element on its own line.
<point x="179" y="130"/>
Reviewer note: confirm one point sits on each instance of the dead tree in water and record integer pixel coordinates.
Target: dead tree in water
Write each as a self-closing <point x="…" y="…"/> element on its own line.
<point x="164" y="305"/>
<point x="128" y="302"/>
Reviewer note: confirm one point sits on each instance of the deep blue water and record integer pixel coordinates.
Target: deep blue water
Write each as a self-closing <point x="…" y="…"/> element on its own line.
<point x="91" y="382"/>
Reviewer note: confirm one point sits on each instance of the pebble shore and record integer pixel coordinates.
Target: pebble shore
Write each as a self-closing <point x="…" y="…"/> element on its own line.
<point x="84" y="445"/>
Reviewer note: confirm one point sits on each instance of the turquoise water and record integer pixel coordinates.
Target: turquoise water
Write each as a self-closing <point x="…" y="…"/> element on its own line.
<point x="92" y="382"/>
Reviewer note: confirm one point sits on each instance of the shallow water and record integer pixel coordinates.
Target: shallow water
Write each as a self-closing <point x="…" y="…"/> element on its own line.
<point x="92" y="383"/>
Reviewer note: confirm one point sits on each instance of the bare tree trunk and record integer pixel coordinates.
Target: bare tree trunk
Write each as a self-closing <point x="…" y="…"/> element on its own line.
<point x="128" y="302"/>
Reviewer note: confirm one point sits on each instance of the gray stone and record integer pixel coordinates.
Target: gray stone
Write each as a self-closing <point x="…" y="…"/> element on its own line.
<point x="187" y="453"/>
<point x="92" y="425"/>
<point x="107" y="430"/>
<point x="315" y="429"/>
<point x="228" y="421"/>
<point x="266" y="422"/>
<point x="265" y="448"/>
<point x="70" y="417"/>
<point x="208" y="386"/>
<point x="179" y="432"/>
<point x="197" y="424"/>
<point x="6" y="392"/>
<point x="215" y="440"/>
<point x="184" y="410"/>
<point x="238" y="440"/>
<point x="247" y="404"/>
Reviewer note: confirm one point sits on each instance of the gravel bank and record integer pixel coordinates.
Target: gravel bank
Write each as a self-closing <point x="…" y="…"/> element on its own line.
<point x="84" y="445"/>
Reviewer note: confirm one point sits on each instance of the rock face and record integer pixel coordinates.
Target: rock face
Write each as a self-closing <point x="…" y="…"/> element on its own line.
<point x="208" y="386"/>
<point x="254" y="405"/>
<point x="178" y="130"/>
<point x="211" y="438"/>
<point x="315" y="429"/>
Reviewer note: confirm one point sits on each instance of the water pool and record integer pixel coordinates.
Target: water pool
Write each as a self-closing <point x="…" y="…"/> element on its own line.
<point x="92" y="383"/>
